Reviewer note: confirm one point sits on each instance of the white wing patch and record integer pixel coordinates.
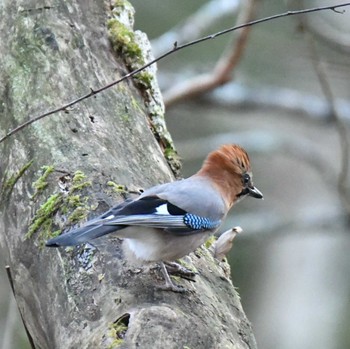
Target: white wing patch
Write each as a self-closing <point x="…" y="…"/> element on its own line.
<point x="110" y="217"/>
<point x="162" y="209"/>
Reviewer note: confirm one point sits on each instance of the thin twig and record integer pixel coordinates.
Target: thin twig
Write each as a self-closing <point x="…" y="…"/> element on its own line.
<point x="174" y="49"/>
<point x="222" y="72"/>
<point x="9" y="275"/>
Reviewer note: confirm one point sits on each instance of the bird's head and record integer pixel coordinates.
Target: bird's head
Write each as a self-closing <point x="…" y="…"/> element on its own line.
<point x="229" y="167"/>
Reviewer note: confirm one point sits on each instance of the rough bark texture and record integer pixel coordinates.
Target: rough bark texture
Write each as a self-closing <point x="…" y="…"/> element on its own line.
<point x="59" y="169"/>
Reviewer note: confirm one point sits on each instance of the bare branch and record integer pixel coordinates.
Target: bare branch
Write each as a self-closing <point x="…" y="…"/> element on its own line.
<point x="174" y="49"/>
<point x="222" y="72"/>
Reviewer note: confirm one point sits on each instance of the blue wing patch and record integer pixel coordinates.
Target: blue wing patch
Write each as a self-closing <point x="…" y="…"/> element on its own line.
<point x="200" y="223"/>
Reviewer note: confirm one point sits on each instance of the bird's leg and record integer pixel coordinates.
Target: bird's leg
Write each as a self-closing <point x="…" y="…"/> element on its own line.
<point x="169" y="286"/>
<point x="178" y="269"/>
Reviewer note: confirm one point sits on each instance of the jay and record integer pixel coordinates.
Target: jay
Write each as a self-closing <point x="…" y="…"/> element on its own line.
<point x="170" y="220"/>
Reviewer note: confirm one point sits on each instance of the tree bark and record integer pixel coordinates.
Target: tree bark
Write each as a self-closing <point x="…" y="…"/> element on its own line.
<point x="72" y="166"/>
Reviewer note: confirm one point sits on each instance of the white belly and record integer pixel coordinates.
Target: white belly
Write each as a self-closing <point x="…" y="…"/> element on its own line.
<point x="153" y="245"/>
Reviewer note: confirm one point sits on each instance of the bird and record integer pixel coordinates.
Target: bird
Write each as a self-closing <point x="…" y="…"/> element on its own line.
<point x="169" y="221"/>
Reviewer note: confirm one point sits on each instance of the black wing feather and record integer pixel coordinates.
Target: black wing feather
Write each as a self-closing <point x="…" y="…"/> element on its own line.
<point x="99" y="226"/>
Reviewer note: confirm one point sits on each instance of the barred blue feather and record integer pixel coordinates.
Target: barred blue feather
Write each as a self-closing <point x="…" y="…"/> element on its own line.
<point x="200" y="223"/>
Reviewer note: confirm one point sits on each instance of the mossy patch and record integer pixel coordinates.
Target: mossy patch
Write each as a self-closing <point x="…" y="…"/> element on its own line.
<point x="144" y="79"/>
<point x="123" y="7"/>
<point x="11" y="181"/>
<point x="79" y="182"/>
<point x="123" y="41"/>
<point x="171" y="155"/>
<point x="70" y="206"/>
<point x="79" y="214"/>
<point x="43" y="217"/>
<point x="41" y="183"/>
<point x="117" y="331"/>
<point x="121" y="3"/>
<point x="117" y="188"/>
<point x="210" y="241"/>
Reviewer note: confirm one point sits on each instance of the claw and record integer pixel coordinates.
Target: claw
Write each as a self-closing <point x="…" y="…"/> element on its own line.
<point x="177" y="269"/>
<point x="169" y="285"/>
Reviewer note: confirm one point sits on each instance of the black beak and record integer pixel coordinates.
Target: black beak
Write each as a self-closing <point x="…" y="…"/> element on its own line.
<point x="255" y="193"/>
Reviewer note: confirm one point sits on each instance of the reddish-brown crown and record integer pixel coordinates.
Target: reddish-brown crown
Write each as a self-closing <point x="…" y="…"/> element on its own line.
<point x="230" y="157"/>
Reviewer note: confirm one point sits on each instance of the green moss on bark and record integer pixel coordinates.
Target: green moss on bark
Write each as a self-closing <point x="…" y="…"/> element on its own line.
<point x="41" y="183"/>
<point x="70" y="204"/>
<point x="123" y="41"/>
<point x="10" y="182"/>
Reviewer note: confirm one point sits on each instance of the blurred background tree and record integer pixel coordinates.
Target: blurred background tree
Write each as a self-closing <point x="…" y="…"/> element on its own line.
<point x="288" y="105"/>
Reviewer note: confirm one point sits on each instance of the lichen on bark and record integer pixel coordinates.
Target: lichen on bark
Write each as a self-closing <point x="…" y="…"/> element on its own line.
<point x="134" y="48"/>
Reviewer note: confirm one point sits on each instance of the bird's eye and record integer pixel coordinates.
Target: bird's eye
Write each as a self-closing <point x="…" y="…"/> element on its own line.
<point x="246" y="178"/>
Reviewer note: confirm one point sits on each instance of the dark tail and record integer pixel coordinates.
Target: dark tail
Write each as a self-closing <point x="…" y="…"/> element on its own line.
<point x="83" y="234"/>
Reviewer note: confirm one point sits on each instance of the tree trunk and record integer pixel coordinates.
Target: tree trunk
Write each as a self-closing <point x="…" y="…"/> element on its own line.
<point x="58" y="170"/>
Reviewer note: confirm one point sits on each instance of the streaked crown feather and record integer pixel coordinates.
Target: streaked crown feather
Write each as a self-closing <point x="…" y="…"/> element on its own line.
<point x="230" y="157"/>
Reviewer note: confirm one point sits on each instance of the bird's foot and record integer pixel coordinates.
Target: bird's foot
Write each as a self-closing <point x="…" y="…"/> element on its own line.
<point x="179" y="270"/>
<point x="169" y="285"/>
